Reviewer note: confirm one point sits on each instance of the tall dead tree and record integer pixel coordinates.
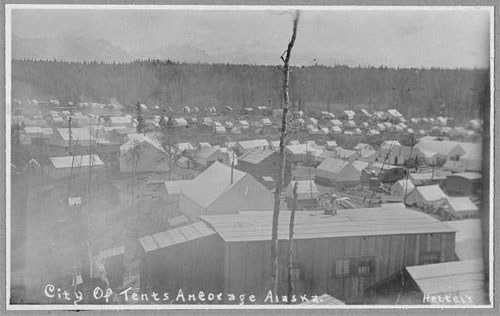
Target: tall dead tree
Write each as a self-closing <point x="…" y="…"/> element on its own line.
<point x="290" y="245"/>
<point x="285" y="57"/>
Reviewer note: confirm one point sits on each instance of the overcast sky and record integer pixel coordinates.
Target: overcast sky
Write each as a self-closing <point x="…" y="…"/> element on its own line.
<point x="420" y="38"/>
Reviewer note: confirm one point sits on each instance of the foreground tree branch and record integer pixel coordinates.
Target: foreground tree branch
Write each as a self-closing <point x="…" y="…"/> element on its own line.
<point x="281" y="178"/>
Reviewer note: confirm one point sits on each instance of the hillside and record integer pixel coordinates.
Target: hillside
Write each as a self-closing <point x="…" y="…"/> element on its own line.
<point x="413" y="91"/>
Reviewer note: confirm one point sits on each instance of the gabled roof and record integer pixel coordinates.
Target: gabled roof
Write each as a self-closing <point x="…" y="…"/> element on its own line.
<point x="333" y="165"/>
<point x="111" y="252"/>
<point x="249" y="144"/>
<point x="256" y="226"/>
<point x="304" y="186"/>
<point x="175" y="236"/>
<point x="212" y="183"/>
<point x="80" y="133"/>
<point x="390" y="144"/>
<point x="206" y="152"/>
<point x="431" y="193"/>
<point x="185" y="146"/>
<point x="176" y="186"/>
<point x="367" y="153"/>
<point x="468" y="175"/>
<point x="462" y="204"/>
<point x="121" y="119"/>
<point x="472" y="150"/>
<point x="140" y="139"/>
<point x="403" y="183"/>
<point x="345" y="153"/>
<point x="394" y="113"/>
<point x="461" y="277"/>
<point x="442" y="147"/>
<point x="366" y="113"/>
<point x="296" y="149"/>
<point x="359" y="165"/>
<point x="349" y="113"/>
<point x="180" y="121"/>
<point x="336" y="129"/>
<point x="331" y="143"/>
<point x="205" y="144"/>
<point x="257" y="155"/>
<point x="76" y="162"/>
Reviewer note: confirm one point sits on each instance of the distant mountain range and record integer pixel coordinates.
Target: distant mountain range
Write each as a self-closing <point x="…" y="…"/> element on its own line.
<point x="67" y="48"/>
<point x="71" y="48"/>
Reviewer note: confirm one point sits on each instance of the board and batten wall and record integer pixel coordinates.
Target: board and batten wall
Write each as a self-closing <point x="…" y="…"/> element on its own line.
<point x="192" y="266"/>
<point x="247" y="264"/>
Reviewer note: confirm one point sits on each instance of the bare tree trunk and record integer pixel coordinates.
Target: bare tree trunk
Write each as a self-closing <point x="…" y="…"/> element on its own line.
<point x="290" y="245"/>
<point x="281" y="177"/>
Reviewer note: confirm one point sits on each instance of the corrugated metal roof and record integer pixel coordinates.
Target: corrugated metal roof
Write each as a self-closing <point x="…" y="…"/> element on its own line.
<point x="111" y="252"/>
<point x="255" y="226"/>
<point x="79" y="161"/>
<point x="175" y="236"/>
<point x="449" y="277"/>
<point x="256" y="156"/>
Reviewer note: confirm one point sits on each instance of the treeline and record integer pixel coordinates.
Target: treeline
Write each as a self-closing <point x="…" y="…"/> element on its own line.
<point x="412" y="91"/>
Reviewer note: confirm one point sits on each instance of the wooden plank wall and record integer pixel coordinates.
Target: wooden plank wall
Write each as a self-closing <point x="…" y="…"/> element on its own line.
<point x="249" y="263"/>
<point x="192" y="266"/>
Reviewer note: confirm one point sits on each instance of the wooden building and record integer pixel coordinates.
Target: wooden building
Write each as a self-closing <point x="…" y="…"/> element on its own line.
<point x="264" y="162"/>
<point x="427" y="196"/>
<point x="332" y="171"/>
<point x="340" y="255"/>
<point x="112" y="259"/>
<point x="448" y="283"/>
<point x="223" y="190"/>
<point x="243" y="147"/>
<point x="188" y="258"/>
<point x="61" y="167"/>
<point x="206" y="156"/>
<point x="143" y="154"/>
<point x="307" y="193"/>
<point x="463" y="184"/>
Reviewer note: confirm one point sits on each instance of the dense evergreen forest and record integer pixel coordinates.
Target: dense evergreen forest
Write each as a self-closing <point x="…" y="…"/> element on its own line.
<point x="414" y="92"/>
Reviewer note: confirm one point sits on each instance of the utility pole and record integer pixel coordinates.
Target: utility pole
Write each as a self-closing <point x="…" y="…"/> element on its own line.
<point x="285" y="57"/>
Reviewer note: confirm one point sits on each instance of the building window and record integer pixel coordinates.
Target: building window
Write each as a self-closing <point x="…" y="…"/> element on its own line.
<point x="365" y="267"/>
<point x="342" y="268"/>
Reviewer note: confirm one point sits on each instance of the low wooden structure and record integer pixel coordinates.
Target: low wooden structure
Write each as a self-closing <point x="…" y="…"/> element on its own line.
<point x="340" y="255"/>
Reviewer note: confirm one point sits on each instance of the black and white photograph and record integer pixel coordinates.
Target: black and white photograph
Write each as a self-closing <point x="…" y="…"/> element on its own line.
<point x="241" y="157"/>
